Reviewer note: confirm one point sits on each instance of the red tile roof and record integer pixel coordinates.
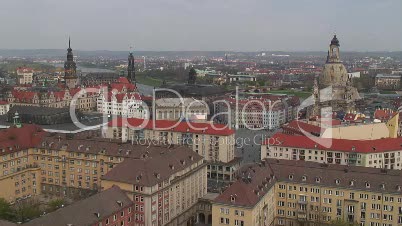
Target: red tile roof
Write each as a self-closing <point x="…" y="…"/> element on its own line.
<point x="15" y="139"/>
<point x="384" y="114"/>
<point x="190" y="127"/>
<point x="360" y="146"/>
<point x="298" y="127"/>
<point x="123" y="80"/>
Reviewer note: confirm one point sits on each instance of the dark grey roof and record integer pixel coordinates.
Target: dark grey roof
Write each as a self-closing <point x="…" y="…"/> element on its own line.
<point x="6" y="223"/>
<point x="83" y="213"/>
<point x="329" y="173"/>
<point x="257" y="179"/>
<point x="33" y="110"/>
<point x="154" y="169"/>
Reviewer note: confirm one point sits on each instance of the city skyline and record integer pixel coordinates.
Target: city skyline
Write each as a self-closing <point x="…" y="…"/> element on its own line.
<point x="202" y="26"/>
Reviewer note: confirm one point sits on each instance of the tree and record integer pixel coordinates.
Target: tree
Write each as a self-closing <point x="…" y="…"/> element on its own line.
<point x="55" y="204"/>
<point x="342" y="223"/>
<point x="6" y="212"/>
<point x="192" y="75"/>
<point x="26" y="210"/>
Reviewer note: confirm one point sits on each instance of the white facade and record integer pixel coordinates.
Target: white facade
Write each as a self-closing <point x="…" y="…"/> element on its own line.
<point x="130" y="106"/>
<point x="25" y="76"/>
<point x="242" y="78"/>
<point x="4" y="108"/>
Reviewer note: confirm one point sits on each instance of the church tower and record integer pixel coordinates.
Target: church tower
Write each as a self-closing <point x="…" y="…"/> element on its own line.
<point x="334" y="73"/>
<point x="333" y="52"/>
<point x="316" y="97"/>
<point x="70" y="68"/>
<point x="131" y="68"/>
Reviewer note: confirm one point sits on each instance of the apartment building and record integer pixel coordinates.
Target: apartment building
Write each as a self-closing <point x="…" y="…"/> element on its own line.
<point x="25" y="76"/>
<point x="122" y="104"/>
<point x="19" y="177"/>
<point x="121" y="99"/>
<point x="258" y="111"/>
<point x="293" y="193"/>
<point x="388" y="81"/>
<point x="214" y="142"/>
<point x="328" y="128"/>
<point x="109" y="207"/>
<point x="77" y="165"/>
<point x="4" y="107"/>
<point x="181" y="108"/>
<point x="54" y="99"/>
<point x="164" y="188"/>
<point x="376" y="153"/>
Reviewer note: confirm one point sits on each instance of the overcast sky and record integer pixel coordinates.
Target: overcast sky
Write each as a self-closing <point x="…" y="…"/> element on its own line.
<point x="231" y="25"/>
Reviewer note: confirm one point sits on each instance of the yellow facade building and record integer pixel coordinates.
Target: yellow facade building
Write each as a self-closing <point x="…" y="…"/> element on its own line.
<point x="292" y="193"/>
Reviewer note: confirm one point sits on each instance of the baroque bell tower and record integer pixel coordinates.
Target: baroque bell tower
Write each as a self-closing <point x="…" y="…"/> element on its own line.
<point x="70" y="68"/>
<point x="333" y="52"/>
<point x="131" y="68"/>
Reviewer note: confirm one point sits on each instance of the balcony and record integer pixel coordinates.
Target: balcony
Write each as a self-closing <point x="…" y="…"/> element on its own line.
<point x="302" y="216"/>
<point x="302" y="201"/>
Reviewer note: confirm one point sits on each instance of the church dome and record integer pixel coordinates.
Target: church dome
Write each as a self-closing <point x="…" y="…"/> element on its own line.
<point x="334" y="74"/>
<point x="335" y="41"/>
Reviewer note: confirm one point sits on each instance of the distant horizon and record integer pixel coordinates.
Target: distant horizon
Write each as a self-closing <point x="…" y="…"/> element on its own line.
<point x="207" y="25"/>
<point x="228" y="51"/>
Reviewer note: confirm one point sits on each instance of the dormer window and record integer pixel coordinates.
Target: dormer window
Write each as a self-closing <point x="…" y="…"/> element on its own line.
<point x="398" y="188"/>
<point x="290" y="176"/>
<point x="367" y="185"/>
<point x="352" y="183"/>
<point x="382" y="186"/>
<point x="317" y="179"/>
<point x="304" y="178"/>
<point x="337" y="181"/>
<point x="233" y="198"/>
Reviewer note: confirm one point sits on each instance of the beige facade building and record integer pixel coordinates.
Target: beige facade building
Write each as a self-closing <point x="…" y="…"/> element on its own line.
<point x="334" y="129"/>
<point x="293" y="193"/>
<point x="164" y="182"/>
<point x="181" y="108"/>
<point x="57" y="99"/>
<point x="163" y="187"/>
<point x="25" y="76"/>
<point x="214" y="142"/>
<point x="388" y="81"/>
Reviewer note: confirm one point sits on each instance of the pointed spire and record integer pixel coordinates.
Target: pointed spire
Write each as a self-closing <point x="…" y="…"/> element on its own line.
<point x="69" y="42"/>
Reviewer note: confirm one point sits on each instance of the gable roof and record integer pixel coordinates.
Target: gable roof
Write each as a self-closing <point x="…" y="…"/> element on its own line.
<point x="83" y="213"/>
<point x="151" y="170"/>
<point x="169" y="125"/>
<point x="14" y="139"/>
<point x="257" y="179"/>
<point x="343" y="145"/>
